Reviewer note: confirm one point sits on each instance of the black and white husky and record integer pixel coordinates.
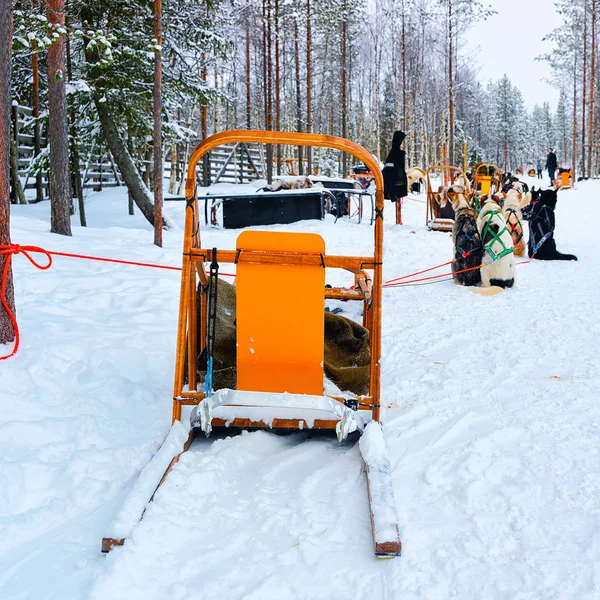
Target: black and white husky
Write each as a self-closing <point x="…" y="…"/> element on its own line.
<point x="467" y="241"/>
<point x="498" y="265"/>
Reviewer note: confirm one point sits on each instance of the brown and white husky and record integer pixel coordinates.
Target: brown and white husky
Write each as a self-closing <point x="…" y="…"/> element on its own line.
<point x="514" y="218"/>
<point x="498" y="265"/>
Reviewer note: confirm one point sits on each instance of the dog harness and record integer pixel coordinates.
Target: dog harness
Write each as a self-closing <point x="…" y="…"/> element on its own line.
<point x="495" y="237"/>
<point x="542" y="223"/>
<point x="514" y="225"/>
<point x="475" y="239"/>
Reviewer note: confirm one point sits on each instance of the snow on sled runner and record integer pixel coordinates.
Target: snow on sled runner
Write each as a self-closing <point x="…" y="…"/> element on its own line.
<point x="280" y="292"/>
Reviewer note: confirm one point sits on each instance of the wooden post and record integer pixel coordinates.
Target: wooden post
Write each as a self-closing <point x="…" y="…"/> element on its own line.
<point x="157" y="134"/>
<point x="445" y="162"/>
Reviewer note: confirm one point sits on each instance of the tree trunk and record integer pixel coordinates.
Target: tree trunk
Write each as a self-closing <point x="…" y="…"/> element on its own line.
<point x="58" y="139"/>
<point x="14" y="170"/>
<point x="592" y="85"/>
<point x="157" y="133"/>
<point x="404" y="127"/>
<point x="343" y="78"/>
<point x="574" y="148"/>
<point x="7" y="332"/>
<point x="269" y="91"/>
<point x="298" y="96"/>
<point x="308" y="84"/>
<point x="248" y="91"/>
<point x="583" y="92"/>
<point x="116" y="145"/>
<point x="450" y="86"/>
<point x="35" y="112"/>
<point x="74" y="150"/>
<point x="277" y="86"/>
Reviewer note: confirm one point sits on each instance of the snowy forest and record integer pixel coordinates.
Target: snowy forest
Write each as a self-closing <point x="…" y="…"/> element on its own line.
<point x="337" y="67"/>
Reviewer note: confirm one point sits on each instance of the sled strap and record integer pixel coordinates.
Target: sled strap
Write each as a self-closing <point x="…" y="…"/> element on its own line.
<point x="280" y="324"/>
<point x="538" y="221"/>
<point x="514" y="225"/>
<point x="211" y="322"/>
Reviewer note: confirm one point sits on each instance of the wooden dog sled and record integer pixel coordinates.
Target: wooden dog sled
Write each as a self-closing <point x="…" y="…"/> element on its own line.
<point x="280" y="294"/>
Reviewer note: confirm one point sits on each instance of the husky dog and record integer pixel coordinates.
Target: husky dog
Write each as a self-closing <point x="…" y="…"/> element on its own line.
<point x="498" y="266"/>
<point x="540" y="214"/>
<point x="514" y="218"/>
<point x="498" y="199"/>
<point x="465" y="236"/>
<point x="416" y="176"/>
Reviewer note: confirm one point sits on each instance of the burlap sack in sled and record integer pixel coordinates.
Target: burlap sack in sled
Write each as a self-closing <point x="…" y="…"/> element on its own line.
<point x="347" y="352"/>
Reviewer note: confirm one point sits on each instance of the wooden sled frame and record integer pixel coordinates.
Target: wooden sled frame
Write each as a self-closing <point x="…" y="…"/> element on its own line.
<point x="432" y="219"/>
<point x="196" y="261"/>
<point x="367" y="288"/>
<point x="484" y="179"/>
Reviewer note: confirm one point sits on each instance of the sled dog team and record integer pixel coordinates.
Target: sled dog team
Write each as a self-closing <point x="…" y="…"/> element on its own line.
<point x="486" y="243"/>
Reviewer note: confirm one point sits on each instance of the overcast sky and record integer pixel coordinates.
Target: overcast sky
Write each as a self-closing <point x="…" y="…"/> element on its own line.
<point x="509" y="42"/>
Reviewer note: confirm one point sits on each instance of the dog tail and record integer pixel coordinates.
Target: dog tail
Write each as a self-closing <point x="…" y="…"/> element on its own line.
<point x="503" y="283"/>
<point x="560" y="256"/>
<point x="555" y="256"/>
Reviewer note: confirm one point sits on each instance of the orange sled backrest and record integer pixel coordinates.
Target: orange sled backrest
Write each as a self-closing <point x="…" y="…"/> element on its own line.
<point x="280" y="324"/>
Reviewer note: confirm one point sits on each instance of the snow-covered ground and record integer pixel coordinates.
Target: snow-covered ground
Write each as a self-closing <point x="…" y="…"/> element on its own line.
<point x="493" y="430"/>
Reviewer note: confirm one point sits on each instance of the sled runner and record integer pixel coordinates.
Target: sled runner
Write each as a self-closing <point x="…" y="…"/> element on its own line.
<point x="279" y="383"/>
<point x="440" y="215"/>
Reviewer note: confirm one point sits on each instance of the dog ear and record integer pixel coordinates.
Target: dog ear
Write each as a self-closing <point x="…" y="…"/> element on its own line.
<point x="452" y="194"/>
<point x="483" y="198"/>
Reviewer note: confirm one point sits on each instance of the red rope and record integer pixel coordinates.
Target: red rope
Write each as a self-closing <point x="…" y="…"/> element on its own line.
<point x="399" y="283"/>
<point x="11" y="249"/>
<point x="8" y="251"/>
<point x="391" y="281"/>
<point x="123" y="262"/>
<point x="113" y="260"/>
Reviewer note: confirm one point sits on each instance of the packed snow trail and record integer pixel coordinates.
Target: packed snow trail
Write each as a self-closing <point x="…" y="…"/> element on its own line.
<point x="279" y="511"/>
<point x="492" y="432"/>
